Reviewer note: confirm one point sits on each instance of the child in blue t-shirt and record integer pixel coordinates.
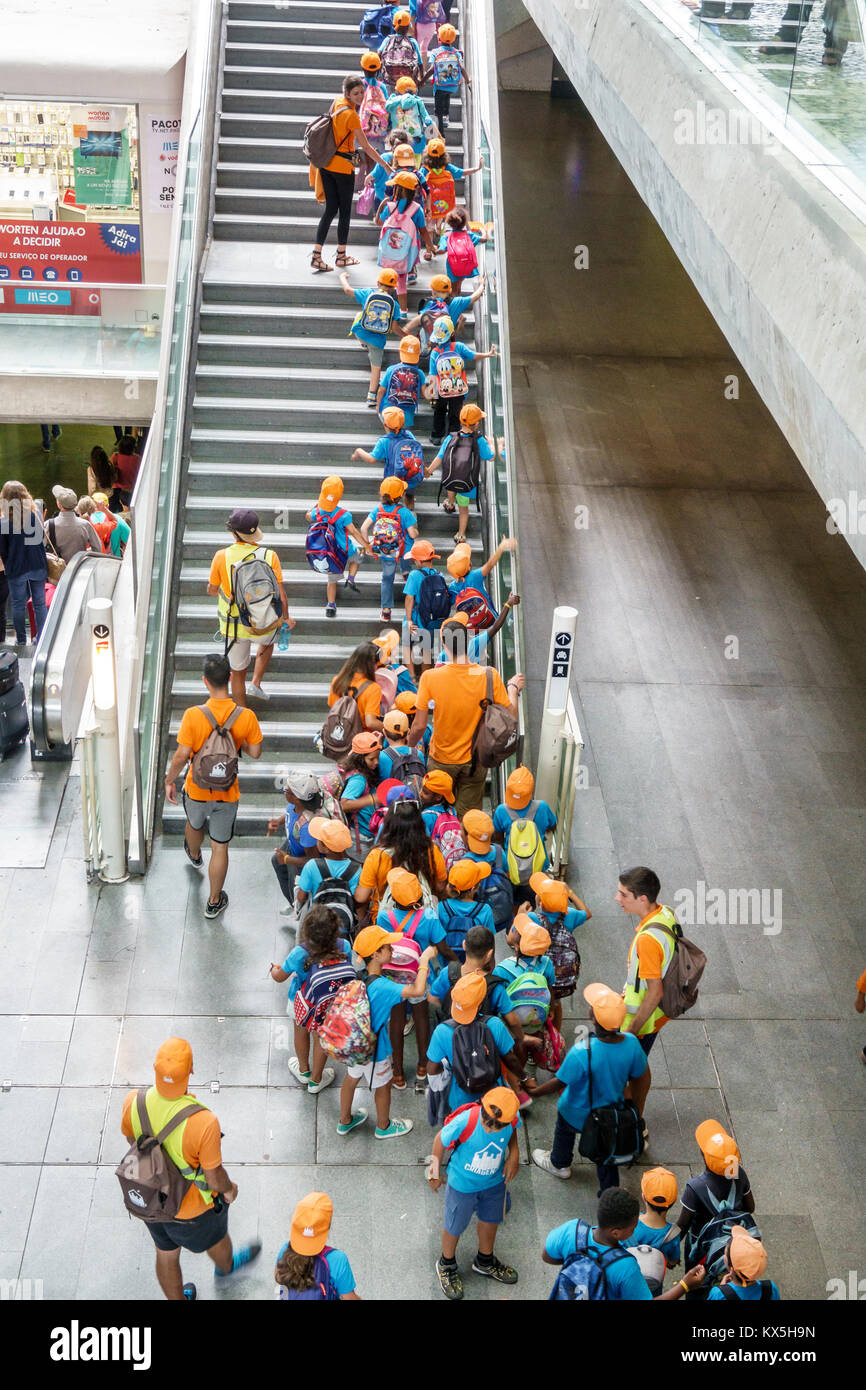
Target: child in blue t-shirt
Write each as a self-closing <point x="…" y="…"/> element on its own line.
<point x="347" y="537"/>
<point x="466" y="576"/>
<point x="469" y="418"/>
<point x="519" y="805"/>
<point x="378" y="314"/>
<point x="403" y="382"/>
<point x="307" y="1247"/>
<point x="401" y="525"/>
<point x="560" y="921"/>
<point x="396" y="727"/>
<point x="398" y="452"/>
<point x="659" y="1191"/>
<point x="453" y="238"/>
<point x="421" y="626"/>
<point x="319" y="942"/>
<point x="408" y="915"/>
<point x="440" y="176"/>
<point x="445" y="65"/>
<point x="459" y="911"/>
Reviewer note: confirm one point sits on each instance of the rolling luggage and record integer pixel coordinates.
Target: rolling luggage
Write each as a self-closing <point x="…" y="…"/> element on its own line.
<point x="14" y="724"/>
<point x="8" y="670"/>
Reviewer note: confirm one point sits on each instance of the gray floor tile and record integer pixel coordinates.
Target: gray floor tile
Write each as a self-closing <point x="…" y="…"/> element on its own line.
<point x="77" y="1127"/>
<point x="25" y="1119"/>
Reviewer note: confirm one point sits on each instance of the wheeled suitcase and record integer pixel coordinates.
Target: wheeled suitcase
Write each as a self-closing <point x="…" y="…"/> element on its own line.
<point x="8" y="670"/>
<point x="14" y="724"/>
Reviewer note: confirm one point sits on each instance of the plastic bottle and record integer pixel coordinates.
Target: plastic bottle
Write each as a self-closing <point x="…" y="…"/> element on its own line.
<point x="283" y="639"/>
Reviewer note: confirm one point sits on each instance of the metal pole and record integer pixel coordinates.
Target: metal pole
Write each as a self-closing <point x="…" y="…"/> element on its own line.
<point x="100" y="619"/>
<point x="555" y="701"/>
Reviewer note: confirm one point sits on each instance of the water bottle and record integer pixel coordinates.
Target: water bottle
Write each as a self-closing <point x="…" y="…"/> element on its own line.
<point x="283" y="639"/>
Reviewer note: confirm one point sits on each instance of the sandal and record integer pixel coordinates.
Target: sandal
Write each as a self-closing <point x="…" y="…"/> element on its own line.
<point x="317" y="263"/>
<point x="398" y="1081"/>
<point x="831" y="58"/>
<point x="459" y="538"/>
<point x="420" y="1081"/>
<point x="343" y="260"/>
<point x="449" y="507"/>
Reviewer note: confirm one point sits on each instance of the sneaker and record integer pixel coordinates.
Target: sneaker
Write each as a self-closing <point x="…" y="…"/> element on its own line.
<point x="242" y="1257"/>
<point x="449" y="1280"/>
<point x="289" y="911"/>
<point x="541" y="1158"/>
<point x="315" y="1087"/>
<point x="525" y="1100"/>
<point x="302" y="1077"/>
<point x="196" y="863"/>
<point x="58" y="434"/>
<point x="408" y="1026"/>
<point x="258" y="692"/>
<point x="503" y="1274"/>
<point x="395" y="1129"/>
<point x="46" y="448"/>
<point x="436" y="438"/>
<point x="330" y="610"/>
<point x="214" y="909"/>
<point x="385" y="615"/>
<point x="190" y="1293"/>
<point x="349" y="583"/>
<point x="358" y="1118"/>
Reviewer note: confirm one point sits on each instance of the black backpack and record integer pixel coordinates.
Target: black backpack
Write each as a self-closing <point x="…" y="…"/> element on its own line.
<point x="611" y="1133"/>
<point x="334" y="892"/>
<point x="433" y="603"/>
<point x="485" y="1008"/>
<point x="475" y="1060"/>
<point x="461" y="466"/>
<point x="409" y="769"/>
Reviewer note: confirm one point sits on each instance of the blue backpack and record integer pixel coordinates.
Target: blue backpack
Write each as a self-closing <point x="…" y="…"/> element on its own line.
<point x="405" y="458"/>
<point x="497" y="892"/>
<point x="322" y="1290"/>
<point x="376" y="25"/>
<point x="456" y="926"/>
<point x="583" y="1277"/>
<point x="323" y="554"/>
<point x="432" y="602"/>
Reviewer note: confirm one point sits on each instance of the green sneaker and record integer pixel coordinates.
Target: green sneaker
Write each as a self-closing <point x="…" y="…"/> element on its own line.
<point x="503" y="1274"/>
<point x="394" y="1130"/>
<point x="449" y="1280"/>
<point x="358" y="1118"/>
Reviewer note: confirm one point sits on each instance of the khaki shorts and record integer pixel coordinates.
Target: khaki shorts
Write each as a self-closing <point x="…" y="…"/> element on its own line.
<point x="382" y="1074"/>
<point x="241" y="650"/>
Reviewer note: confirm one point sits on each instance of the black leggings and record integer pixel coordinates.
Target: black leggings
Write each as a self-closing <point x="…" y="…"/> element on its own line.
<point x="441" y="104"/>
<point x="446" y="415"/>
<point x="339" y="192"/>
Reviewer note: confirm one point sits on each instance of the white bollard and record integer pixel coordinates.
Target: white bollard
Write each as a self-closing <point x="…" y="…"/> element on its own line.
<point x="100" y="620"/>
<point x="555" y="702"/>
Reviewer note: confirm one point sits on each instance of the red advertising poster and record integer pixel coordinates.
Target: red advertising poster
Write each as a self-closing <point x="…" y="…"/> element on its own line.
<point x="70" y="253"/>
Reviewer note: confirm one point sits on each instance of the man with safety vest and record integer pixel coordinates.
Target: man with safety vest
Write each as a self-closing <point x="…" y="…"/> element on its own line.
<point x="246" y="544"/>
<point x="202" y="1220"/>
<point x="649" y="956"/>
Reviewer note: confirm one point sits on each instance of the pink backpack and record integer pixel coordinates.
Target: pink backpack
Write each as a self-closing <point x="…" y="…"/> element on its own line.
<point x="405" y="954"/>
<point x="447" y="838"/>
<point x="461" y="255"/>
<point x="373" y="114"/>
<point x="398" y="241"/>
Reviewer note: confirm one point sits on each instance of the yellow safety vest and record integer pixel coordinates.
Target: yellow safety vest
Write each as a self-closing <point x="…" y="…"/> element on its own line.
<point x="228" y="611"/>
<point x="159" y="1112"/>
<point x="635" y="988"/>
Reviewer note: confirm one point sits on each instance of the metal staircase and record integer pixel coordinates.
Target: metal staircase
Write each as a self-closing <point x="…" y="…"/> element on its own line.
<point x="279" y="386"/>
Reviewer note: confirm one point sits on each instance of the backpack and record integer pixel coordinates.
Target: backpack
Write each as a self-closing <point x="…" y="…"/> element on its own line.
<point x="334" y="892"/>
<point x="525" y="851"/>
<point x="376" y="25"/>
<point x="314" y="997"/>
<point x="405" y="459"/>
<point x="707" y="1245"/>
<point x="323" y="554"/>
<point x="564" y="954"/>
<point x="485" y="1008"/>
<point x="399" y="59"/>
<point x="409" y="769"/>
<point x="446" y="68"/>
<point x="447" y="838"/>
<point x="475" y="1063"/>
<point x="765" y="1285"/>
<point x="551" y="1054"/>
<point x="461" y="462"/>
<point x="434" y="310"/>
<point x="403" y="388"/>
<point x="497" y="892"/>
<point x="456" y="926"/>
<point x="153" y="1186"/>
<point x="387" y="536"/>
<point x="611" y="1133"/>
<point x="428" y="902"/>
<point x="104" y="529"/>
<point x="477" y="608"/>
<point x="409" y="119"/>
<point x="215" y="764"/>
<point x="528" y="991"/>
<point x="461" y="254"/>
<point x="377" y="314"/>
<point x="398" y="241"/>
<point x="331" y="786"/>
<point x="450" y="376"/>
<point x="346" y="1033"/>
<point x="342" y="722"/>
<point x="319" y="143"/>
<point x="432" y="602"/>
<point x="430" y="12"/>
<point x="402" y="968"/>
<point x="496" y="737"/>
<point x="322" y="1289"/>
<point x="255" y="593"/>
<point x="372" y="112"/>
<point x="440" y="192"/>
<point x="583" y="1277"/>
<point x="680" y="982"/>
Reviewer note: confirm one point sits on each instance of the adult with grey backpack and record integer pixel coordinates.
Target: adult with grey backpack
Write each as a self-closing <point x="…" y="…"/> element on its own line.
<point x="172" y="1175"/>
<point x="330" y="144"/>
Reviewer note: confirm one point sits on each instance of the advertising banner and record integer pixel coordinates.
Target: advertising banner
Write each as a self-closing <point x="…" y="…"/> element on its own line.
<point x="70" y="252"/>
<point x="100" y="159"/>
<point x="49" y="299"/>
<point x="160" y="138"/>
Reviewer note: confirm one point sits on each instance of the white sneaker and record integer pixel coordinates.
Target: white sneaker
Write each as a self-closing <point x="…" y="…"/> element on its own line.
<point x="314" y="1087"/>
<point x="258" y="692"/>
<point x="302" y="1077"/>
<point x="541" y="1158"/>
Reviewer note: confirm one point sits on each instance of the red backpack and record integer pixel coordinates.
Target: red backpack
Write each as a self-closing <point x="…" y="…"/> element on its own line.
<point x="461" y="254"/>
<point x="472" y="1111"/>
<point x="440" y="193"/>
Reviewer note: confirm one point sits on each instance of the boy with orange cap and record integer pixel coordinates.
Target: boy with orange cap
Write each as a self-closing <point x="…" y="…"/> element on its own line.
<point x="380" y="312"/>
<point x="400" y="54"/>
<point x="404" y="381"/>
<point x="460" y="455"/>
<point x="745" y="1261"/>
<point x="496" y="889"/>
<point x="723" y="1181"/>
<point x="488" y="1042"/>
<point x="337" y="524"/>
<point x="552" y="911"/>
<point x="442" y="300"/>
<point x="386" y="530"/>
<point x="407" y="701"/>
<point x="445" y="65"/>
<point x="484" y="1159"/>
<point x="307" y="1266"/>
<point x="520" y="806"/>
<point x="467" y="579"/>
<point x="427" y="603"/>
<point x="447" y="384"/>
<point x="659" y="1190"/>
<point x="399" y="453"/>
<point x="459" y="911"/>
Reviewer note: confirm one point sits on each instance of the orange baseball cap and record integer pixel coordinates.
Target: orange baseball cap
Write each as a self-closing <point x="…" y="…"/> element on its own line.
<point x="607" y="1005"/>
<point x="466" y="873"/>
<point x="423" y="552"/>
<point x="479" y="831"/>
<point x="410" y="348"/>
<point x="333" y="834"/>
<point x="366" y="742"/>
<point x="747" y="1255"/>
<point x="402" y="179"/>
<point x="435" y="148"/>
<point x="501" y="1103"/>
<point x="370" y="61"/>
<point x="404" y="85"/>
<point x="466" y="995"/>
<point x="396" y="722"/>
<point x="440" y="284"/>
<point x="456" y="620"/>
<point x="402" y="19"/>
<point x="172" y="1068"/>
<point x="371" y="939"/>
<point x="393" y="418"/>
<point x="311" y="1221"/>
<point x="447" y="33"/>
<point x="552" y="892"/>
<point x="534" y="939"/>
<point x="407" y="701"/>
<point x="405" y="887"/>
<point x="718" y="1148"/>
<point x="437" y="781"/>
<point x="658" y="1187"/>
<point x="392" y="487"/>
<point x="388" y="642"/>
<point x="388" y="278"/>
<point x="459" y="561"/>
<point x="330" y="492"/>
<point x="404" y="156"/>
<point x="471" y="414"/>
<point x="519" y="788"/>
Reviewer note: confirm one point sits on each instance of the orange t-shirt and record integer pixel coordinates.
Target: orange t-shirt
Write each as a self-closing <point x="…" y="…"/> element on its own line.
<point x="368" y="702"/>
<point x="346" y="121"/>
<point x="457" y="690"/>
<point x="193" y="732"/>
<point x="377" y="866"/>
<point x="201" y="1149"/>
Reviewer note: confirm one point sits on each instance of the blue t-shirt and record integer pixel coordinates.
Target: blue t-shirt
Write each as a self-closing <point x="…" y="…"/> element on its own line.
<point x="613" y="1064"/>
<point x="300" y="839"/>
<point x="389" y="755"/>
<point x="367" y="335"/>
<point x="298" y="964"/>
<point x="381" y="452"/>
<point x="342" y="1278"/>
<point x="573" y="918"/>
<point x="427" y="933"/>
<point x="749" y="1293"/>
<point x="383" y="995"/>
<point x="449" y="269"/>
<point x="341" y="539"/>
<point x="356" y="787"/>
<point x="311" y="875"/>
<point x="478" y="1162"/>
<point x="403" y="515"/>
<point x="455" y="307"/>
<point x="412" y="588"/>
<point x="445" y="86"/>
<point x="387" y="381"/>
<point x="472" y="579"/>
<point x="624" y="1279"/>
<point x="498" y="999"/>
<point x="441" y="1049"/>
<point x="504" y="818"/>
<point x="659" y="1238"/>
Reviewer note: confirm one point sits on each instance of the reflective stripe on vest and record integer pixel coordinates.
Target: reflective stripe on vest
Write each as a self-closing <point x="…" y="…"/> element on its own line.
<point x="159" y="1112"/>
<point x="635" y="989"/>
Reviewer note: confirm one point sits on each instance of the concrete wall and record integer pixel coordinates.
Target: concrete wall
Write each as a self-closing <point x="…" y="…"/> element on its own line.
<point x="778" y="260"/>
<point x="523" y="58"/>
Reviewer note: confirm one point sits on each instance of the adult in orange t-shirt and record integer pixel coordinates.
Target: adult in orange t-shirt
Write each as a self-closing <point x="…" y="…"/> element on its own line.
<point x="202" y="1219"/>
<point x="637" y="894"/>
<point x="335" y="183"/>
<point x="455" y="691"/>
<point x="215" y="808"/>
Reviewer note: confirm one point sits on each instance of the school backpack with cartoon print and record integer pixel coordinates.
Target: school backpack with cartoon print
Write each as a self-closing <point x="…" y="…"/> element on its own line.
<point x="255" y="597"/>
<point x="477" y="607"/>
<point x="403" y="388"/>
<point x="564" y="954"/>
<point x="398" y="241"/>
<point x="346" y="1033"/>
<point x="528" y="991"/>
<point x="446" y="68"/>
<point x="323" y="554"/>
<point x="322" y="1289"/>
<point x="447" y="838"/>
<point x="378" y="313"/>
<point x="315" y="996"/>
<point x="432" y="602"/>
<point x="583" y="1277"/>
<point x="399" y="59"/>
<point x="551" y="1054"/>
<point x="409" y="119"/>
<point x="526" y="851"/>
<point x="475" y="1063"/>
<point x="342" y="722"/>
<point x="461" y="254"/>
<point x="387" y="536"/>
<point x="402" y="968"/>
<point x="433" y="310"/>
<point x="405" y="459"/>
<point x="497" y="892"/>
<point x="450" y="377"/>
<point x="331" y="786"/>
<point x="373" y="114"/>
<point x="440" y="192"/>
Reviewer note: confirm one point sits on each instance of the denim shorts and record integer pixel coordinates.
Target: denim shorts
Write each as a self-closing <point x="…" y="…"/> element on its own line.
<point x="196" y="1235"/>
<point x="490" y="1204"/>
